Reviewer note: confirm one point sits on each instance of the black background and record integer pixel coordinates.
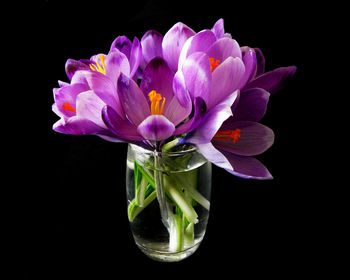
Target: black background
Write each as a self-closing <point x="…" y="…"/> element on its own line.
<point x="72" y="220"/>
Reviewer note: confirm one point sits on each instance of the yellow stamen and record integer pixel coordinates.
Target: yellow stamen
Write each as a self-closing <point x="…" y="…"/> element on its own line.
<point x="155" y="99"/>
<point x="97" y="67"/>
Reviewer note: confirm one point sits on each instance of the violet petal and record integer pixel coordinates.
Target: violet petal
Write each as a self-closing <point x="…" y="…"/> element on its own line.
<point x="120" y="127"/>
<point x="156" y="128"/>
<point x="252" y="105"/>
<point x="225" y="80"/>
<point x="173" y="42"/>
<point x="212" y="121"/>
<point x="133" y="100"/>
<point x="274" y="80"/>
<point x="254" y="139"/>
<point x="151" y="44"/>
<point x="247" y="167"/>
<point x="197" y="73"/>
<point x="159" y="77"/>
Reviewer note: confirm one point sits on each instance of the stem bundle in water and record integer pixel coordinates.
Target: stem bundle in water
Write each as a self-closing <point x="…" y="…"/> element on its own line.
<point x="176" y="193"/>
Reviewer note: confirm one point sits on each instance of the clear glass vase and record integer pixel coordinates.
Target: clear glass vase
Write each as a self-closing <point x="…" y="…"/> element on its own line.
<point x="168" y="196"/>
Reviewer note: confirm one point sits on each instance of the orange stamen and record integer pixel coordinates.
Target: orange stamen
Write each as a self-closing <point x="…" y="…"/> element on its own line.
<point x="68" y="107"/>
<point x="155" y="99"/>
<point x="213" y="63"/>
<point x="227" y="135"/>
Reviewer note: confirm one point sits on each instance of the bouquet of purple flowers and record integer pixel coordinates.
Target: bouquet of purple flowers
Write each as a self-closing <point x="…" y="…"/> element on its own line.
<point x="168" y="93"/>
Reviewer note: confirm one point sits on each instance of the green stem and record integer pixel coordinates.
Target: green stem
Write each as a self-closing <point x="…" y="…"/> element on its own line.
<point x="179" y="200"/>
<point x="134" y="209"/>
<point x="140" y="191"/>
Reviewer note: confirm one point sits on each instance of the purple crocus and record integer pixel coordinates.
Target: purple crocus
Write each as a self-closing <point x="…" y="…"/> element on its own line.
<point x="230" y="140"/>
<point x="152" y="111"/>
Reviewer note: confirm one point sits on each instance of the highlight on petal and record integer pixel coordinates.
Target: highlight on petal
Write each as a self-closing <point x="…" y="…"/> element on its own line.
<point x="249" y="60"/>
<point x="254" y="139"/>
<point x="116" y="62"/>
<point x="224" y="48"/>
<point x="77" y="126"/>
<point x="214" y="155"/>
<point x="173" y="42"/>
<point x="180" y="89"/>
<point x="274" y="80"/>
<point x="200" y="42"/>
<point x="151" y="43"/>
<point x="218" y="29"/>
<point x="197" y="74"/>
<point x="89" y="106"/>
<point x="225" y="80"/>
<point x="104" y="88"/>
<point x="156" y="128"/>
<point x="135" y="56"/>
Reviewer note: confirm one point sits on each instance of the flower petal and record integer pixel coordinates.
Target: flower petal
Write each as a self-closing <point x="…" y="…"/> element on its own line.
<point x="159" y="77"/>
<point x="151" y="44"/>
<point x="213" y="121"/>
<point x="246" y="167"/>
<point x="197" y="74"/>
<point x="123" y="44"/>
<point x="225" y="80"/>
<point x="251" y="106"/>
<point x="249" y="60"/>
<point x="115" y="63"/>
<point x="260" y="59"/>
<point x="274" y="80"/>
<point x="120" y="127"/>
<point x="77" y="126"/>
<point x="254" y="139"/>
<point x="199" y="112"/>
<point x="73" y="65"/>
<point x="175" y="112"/>
<point x="218" y="29"/>
<point x="104" y="88"/>
<point x="180" y="89"/>
<point x="200" y="42"/>
<point x="224" y="48"/>
<point x="173" y="42"/>
<point x="133" y="100"/>
<point x="89" y="106"/>
<point x="156" y="128"/>
<point x="213" y="155"/>
<point x="67" y="95"/>
<point x="135" y="56"/>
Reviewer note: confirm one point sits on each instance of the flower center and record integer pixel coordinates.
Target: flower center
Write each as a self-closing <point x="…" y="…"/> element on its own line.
<point x="155" y="99"/>
<point x="68" y="107"/>
<point x="213" y="63"/>
<point x="227" y="135"/>
<point x="97" y="66"/>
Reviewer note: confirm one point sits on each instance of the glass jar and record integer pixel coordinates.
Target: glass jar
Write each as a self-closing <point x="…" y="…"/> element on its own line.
<point x="168" y="196"/>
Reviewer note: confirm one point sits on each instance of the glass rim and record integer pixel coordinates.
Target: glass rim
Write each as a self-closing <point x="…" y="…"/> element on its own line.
<point x="170" y="154"/>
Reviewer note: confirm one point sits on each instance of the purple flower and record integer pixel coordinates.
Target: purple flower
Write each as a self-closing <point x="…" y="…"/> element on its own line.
<point x="149" y="112"/>
<point x="230" y="140"/>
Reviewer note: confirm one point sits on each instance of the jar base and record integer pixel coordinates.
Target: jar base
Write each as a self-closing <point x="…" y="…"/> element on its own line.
<point x="163" y="256"/>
